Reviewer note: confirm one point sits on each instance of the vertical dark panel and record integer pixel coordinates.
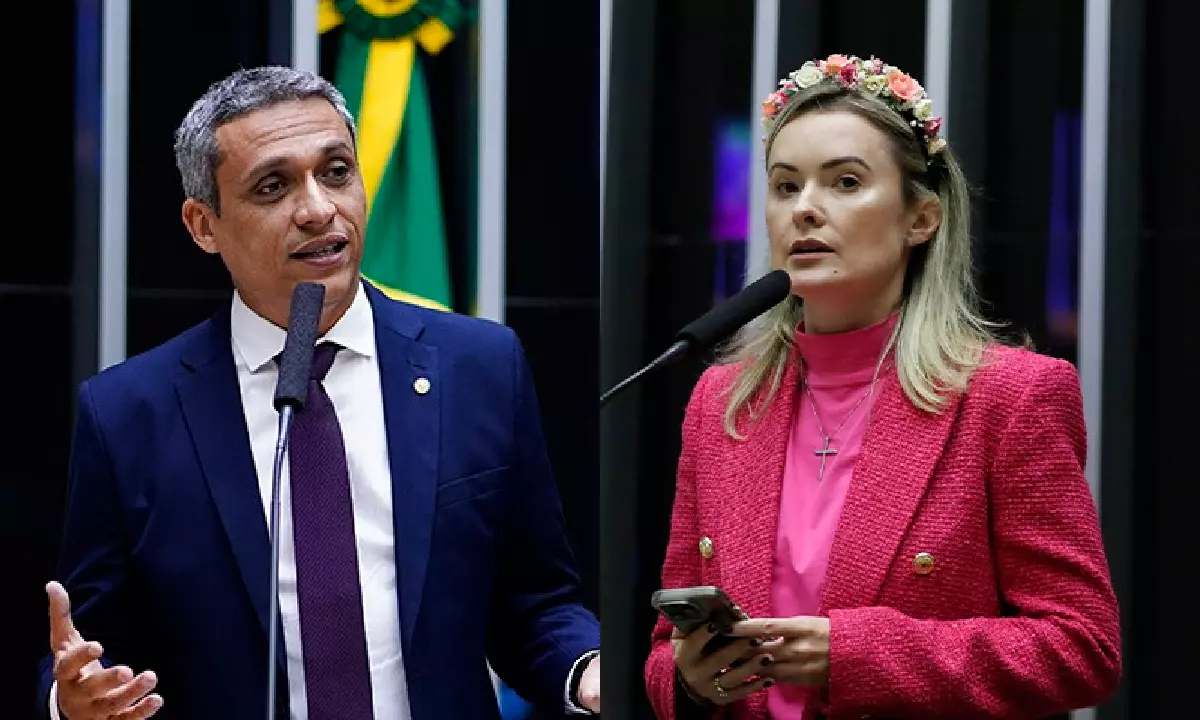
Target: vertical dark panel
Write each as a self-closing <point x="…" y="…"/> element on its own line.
<point x="1120" y="482"/>
<point x="893" y="30"/>
<point x="279" y="32"/>
<point x="626" y="235"/>
<point x="89" y="129"/>
<point x="967" y="105"/>
<point x="553" y="244"/>
<point x="1152" y="298"/>
<point x="172" y="284"/>
<point x="37" y="280"/>
<point x="799" y="34"/>
<point x="702" y="71"/>
<point x="1029" y="39"/>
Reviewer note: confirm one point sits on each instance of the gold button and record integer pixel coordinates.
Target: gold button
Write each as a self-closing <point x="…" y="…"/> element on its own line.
<point x="421" y="385"/>
<point x="923" y="563"/>
<point x="706" y="548"/>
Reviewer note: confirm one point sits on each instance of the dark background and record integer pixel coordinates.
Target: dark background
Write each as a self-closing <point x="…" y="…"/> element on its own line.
<point x="48" y="279"/>
<point x="679" y="66"/>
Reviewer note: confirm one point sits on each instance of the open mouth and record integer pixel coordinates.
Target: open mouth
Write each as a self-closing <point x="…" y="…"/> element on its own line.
<point x="327" y="250"/>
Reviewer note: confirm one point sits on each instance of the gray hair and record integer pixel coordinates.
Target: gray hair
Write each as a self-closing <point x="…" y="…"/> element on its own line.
<point x="196" y="151"/>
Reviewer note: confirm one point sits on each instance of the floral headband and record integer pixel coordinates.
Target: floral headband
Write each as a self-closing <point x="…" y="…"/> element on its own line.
<point x="899" y="91"/>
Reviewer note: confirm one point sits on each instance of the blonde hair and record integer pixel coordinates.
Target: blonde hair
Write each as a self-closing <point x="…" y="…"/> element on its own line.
<point x="940" y="336"/>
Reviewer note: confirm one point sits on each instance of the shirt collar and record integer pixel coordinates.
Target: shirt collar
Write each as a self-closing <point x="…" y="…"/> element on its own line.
<point x="257" y="341"/>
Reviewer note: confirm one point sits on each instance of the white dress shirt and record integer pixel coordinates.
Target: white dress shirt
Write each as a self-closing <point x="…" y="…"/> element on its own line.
<point x="355" y="372"/>
<point x="350" y="381"/>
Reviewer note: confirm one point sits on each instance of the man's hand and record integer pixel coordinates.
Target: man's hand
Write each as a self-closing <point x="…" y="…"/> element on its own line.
<point x="86" y="689"/>
<point x="589" y="686"/>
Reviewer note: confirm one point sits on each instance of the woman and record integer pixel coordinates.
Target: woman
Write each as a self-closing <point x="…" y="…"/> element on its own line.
<point x="895" y="499"/>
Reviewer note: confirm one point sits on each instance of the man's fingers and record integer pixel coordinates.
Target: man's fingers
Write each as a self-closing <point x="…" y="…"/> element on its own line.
<point x="68" y="662"/>
<point x="62" y="627"/>
<point x="144" y="708"/>
<point x="125" y="697"/>
<point x="97" y="684"/>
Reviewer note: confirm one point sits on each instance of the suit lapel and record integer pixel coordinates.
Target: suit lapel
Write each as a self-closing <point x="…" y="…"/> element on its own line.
<point x="412" y="419"/>
<point x="754" y="535"/>
<point x="212" y="410"/>
<point x="899" y="455"/>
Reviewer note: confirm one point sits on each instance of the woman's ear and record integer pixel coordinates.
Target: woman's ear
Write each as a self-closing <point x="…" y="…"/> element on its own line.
<point x="926" y="219"/>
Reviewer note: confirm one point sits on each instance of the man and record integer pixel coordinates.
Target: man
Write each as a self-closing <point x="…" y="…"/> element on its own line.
<point x="421" y="533"/>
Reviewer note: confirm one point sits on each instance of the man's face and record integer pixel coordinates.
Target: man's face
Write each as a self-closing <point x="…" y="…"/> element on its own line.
<point x="292" y="206"/>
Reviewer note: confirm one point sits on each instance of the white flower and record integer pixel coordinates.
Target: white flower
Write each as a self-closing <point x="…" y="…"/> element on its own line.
<point x="923" y="109"/>
<point x="808" y="75"/>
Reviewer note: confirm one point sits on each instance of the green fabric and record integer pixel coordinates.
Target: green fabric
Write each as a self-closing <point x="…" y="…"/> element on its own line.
<point x="362" y="23"/>
<point x="406" y="237"/>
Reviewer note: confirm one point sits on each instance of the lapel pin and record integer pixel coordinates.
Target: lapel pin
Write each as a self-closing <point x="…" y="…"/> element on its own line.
<point x="706" y="548"/>
<point x="421" y="385"/>
<point x="923" y="563"/>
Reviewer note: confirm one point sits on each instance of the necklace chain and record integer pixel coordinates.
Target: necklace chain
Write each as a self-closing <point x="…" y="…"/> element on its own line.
<point x="826" y="438"/>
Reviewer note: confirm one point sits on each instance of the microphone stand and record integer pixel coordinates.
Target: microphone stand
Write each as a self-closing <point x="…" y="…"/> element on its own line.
<point x="285" y="427"/>
<point x="291" y="392"/>
<point x="677" y="350"/>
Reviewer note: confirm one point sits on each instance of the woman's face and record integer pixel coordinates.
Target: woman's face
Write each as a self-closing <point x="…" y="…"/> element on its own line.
<point x="837" y="220"/>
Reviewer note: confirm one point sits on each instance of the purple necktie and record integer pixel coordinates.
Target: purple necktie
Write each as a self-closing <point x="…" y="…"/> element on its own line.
<point x="337" y="676"/>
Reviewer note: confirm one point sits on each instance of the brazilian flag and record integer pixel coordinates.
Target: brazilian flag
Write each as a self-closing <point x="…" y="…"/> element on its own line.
<point x="378" y="69"/>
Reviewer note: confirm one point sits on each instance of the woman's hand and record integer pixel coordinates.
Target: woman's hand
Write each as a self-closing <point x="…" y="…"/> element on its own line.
<point x="725" y="675"/>
<point x="799" y="647"/>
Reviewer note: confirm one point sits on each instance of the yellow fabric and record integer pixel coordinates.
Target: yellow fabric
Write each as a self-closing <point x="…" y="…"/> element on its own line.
<point x="402" y="296"/>
<point x="327" y="16"/>
<point x="433" y="34"/>
<point x="385" y="94"/>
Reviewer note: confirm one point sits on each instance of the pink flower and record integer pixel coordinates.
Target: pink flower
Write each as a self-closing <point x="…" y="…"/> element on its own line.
<point x="932" y="126"/>
<point x="774" y="103"/>
<point x="848" y="75"/>
<point x="903" y="87"/>
<point x="835" y="63"/>
<point x="877" y="65"/>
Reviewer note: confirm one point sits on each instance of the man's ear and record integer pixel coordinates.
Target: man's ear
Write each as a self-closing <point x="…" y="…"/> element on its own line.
<point x="197" y="218"/>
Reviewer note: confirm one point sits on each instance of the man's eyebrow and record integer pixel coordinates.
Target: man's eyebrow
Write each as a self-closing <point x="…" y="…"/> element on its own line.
<point x="272" y="163"/>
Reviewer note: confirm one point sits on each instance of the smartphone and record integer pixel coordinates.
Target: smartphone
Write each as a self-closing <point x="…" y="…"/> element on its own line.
<point x="693" y="607"/>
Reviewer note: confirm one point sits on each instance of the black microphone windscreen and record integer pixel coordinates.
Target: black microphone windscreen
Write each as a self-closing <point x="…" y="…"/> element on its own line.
<point x="725" y="319"/>
<point x="296" y="362"/>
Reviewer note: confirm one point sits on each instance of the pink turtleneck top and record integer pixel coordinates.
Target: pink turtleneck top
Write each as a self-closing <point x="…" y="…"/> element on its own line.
<point x="839" y="368"/>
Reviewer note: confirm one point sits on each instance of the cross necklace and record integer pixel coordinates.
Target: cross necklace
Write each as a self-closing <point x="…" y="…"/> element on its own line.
<point x="826" y="451"/>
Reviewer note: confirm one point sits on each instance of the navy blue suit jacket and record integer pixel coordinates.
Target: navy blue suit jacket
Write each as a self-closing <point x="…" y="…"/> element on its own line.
<point x="166" y="551"/>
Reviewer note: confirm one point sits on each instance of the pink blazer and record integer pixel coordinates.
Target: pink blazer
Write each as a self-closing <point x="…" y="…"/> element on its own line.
<point x="1016" y="619"/>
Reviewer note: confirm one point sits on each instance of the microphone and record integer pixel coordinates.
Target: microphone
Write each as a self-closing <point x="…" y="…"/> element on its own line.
<point x="715" y="325"/>
<point x="291" y="393"/>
